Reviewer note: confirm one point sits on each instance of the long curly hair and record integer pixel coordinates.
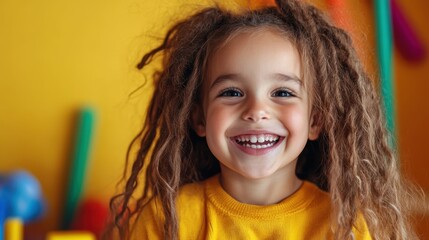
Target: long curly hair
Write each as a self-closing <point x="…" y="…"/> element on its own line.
<point x="351" y="159"/>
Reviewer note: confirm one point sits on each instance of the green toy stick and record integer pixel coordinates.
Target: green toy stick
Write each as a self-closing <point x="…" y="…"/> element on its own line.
<point x="79" y="165"/>
<point x="384" y="47"/>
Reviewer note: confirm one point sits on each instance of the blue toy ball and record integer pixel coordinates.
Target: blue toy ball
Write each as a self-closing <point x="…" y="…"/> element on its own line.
<point x="2" y="215"/>
<point x="21" y="196"/>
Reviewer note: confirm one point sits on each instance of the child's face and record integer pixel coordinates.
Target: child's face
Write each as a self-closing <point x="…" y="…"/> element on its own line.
<point x="256" y="108"/>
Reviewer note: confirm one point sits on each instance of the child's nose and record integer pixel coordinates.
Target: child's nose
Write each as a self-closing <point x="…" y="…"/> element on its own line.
<point x="256" y="111"/>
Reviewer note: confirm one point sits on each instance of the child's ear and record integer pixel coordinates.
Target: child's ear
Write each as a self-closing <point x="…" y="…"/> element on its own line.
<point x="198" y="122"/>
<point x="315" y="127"/>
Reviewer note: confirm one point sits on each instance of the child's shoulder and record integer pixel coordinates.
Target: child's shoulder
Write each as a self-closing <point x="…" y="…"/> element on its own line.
<point x="191" y="190"/>
<point x="194" y="193"/>
<point x="190" y="208"/>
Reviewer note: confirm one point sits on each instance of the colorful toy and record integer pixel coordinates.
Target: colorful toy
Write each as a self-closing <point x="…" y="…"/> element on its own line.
<point x="79" y="164"/>
<point x="70" y="235"/>
<point x="20" y="198"/>
<point x="13" y="229"/>
<point x="384" y="49"/>
<point x="405" y="37"/>
<point x="91" y="216"/>
<point x="2" y="215"/>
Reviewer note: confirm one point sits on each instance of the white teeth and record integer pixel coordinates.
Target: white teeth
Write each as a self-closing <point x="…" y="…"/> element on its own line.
<point x="257" y="138"/>
<point x="259" y="146"/>
<point x="260" y="141"/>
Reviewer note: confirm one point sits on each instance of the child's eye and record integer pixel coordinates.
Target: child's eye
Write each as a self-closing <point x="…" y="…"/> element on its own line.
<point x="231" y="92"/>
<point x="282" y="93"/>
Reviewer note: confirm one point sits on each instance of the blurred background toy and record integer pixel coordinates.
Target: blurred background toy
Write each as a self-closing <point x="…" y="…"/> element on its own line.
<point x="91" y="215"/>
<point x="83" y="214"/>
<point x="406" y="40"/>
<point x="13" y="229"/>
<point x="2" y="215"/>
<point x="21" y="198"/>
<point x="79" y="164"/>
<point x="70" y="235"/>
<point x="22" y="195"/>
<point x="384" y="41"/>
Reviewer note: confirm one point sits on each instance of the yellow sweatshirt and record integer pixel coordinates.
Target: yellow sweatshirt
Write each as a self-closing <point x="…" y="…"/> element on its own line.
<point x="206" y="211"/>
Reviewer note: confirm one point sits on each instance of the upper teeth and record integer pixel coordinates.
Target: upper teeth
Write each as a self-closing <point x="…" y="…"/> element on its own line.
<point x="261" y="138"/>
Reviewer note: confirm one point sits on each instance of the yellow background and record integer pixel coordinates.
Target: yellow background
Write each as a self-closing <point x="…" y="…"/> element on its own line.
<point x="58" y="56"/>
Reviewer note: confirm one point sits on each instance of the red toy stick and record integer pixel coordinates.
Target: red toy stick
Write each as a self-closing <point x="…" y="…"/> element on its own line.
<point x="91" y="216"/>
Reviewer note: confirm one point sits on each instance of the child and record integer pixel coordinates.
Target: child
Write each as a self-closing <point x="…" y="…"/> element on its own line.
<point x="263" y="125"/>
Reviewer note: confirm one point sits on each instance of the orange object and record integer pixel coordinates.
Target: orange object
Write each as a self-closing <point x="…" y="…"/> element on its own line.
<point x="338" y="12"/>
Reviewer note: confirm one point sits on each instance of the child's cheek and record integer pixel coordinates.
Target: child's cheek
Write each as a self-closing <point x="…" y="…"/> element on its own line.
<point x="218" y="116"/>
<point x="295" y="118"/>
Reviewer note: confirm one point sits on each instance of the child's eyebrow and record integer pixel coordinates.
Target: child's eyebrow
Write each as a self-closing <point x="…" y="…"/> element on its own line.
<point x="287" y="77"/>
<point x="223" y="78"/>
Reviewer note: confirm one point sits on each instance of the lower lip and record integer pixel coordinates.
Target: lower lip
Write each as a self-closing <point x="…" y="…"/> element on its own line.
<point x="256" y="151"/>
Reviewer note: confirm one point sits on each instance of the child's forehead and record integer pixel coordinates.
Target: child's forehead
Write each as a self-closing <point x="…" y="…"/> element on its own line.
<point x="252" y="32"/>
<point x="252" y="38"/>
<point x="255" y="44"/>
<point x="272" y="41"/>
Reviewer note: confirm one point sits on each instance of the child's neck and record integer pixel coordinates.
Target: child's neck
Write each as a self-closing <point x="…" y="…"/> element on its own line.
<point x="264" y="191"/>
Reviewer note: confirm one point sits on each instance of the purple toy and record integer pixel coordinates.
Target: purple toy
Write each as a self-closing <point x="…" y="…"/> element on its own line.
<point x="405" y="38"/>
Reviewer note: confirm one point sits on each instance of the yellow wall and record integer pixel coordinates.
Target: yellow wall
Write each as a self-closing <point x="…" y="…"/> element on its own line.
<point x="57" y="56"/>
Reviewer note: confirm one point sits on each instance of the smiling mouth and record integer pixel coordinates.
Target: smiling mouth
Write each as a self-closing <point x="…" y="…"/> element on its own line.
<point x="259" y="141"/>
